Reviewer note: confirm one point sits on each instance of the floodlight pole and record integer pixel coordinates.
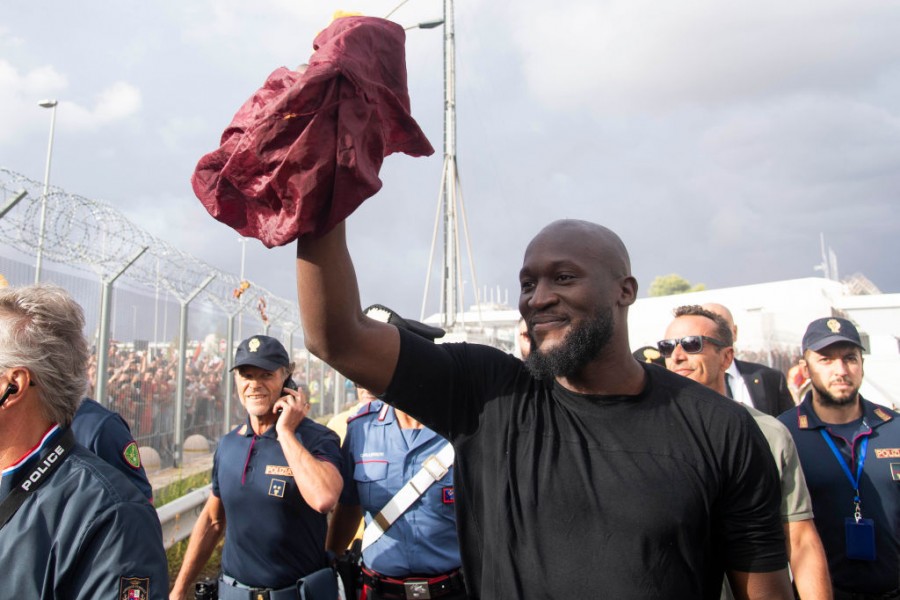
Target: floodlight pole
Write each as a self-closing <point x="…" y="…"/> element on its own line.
<point x="51" y="104"/>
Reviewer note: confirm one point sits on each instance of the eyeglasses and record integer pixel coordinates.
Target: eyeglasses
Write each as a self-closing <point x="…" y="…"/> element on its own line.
<point x="692" y="344"/>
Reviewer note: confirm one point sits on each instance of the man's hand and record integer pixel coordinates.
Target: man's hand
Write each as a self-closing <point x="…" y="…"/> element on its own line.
<point x="293" y="406"/>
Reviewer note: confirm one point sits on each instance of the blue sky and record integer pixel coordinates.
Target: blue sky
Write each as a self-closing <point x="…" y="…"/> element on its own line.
<point x="718" y="140"/>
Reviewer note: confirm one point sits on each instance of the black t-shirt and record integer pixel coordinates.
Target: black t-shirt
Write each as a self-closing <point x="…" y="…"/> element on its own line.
<point x="562" y="495"/>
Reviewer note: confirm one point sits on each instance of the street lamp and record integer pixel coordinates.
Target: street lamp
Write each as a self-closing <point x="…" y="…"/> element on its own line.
<point x="40" y="248"/>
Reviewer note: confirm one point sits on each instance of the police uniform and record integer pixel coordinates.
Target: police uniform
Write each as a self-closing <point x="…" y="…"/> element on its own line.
<point x="86" y="532"/>
<point x="106" y="434"/>
<point x="832" y="493"/>
<point x="379" y="458"/>
<point x="272" y="537"/>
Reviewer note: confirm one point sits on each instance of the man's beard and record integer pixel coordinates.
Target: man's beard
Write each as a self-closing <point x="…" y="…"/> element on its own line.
<point x="580" y="346"/>
<point x="829" y="401"/>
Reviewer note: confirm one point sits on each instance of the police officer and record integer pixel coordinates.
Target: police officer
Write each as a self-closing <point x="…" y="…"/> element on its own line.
<point x="72" y="525"/>
<point x="850" y="452"/>
<point x="274" y="480"/>
<point x="106" y="434"/>
<point x="417" y="556"/>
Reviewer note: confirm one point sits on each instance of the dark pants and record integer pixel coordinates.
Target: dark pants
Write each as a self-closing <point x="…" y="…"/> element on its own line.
<point x="370" y="594"/>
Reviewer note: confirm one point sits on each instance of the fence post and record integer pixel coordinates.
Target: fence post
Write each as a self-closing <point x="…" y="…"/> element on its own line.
<point x="182" y="362"/>
<point x="103" y="341"/>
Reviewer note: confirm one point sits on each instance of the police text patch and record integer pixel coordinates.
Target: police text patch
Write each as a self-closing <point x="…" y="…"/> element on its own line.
<point x="279" y="470"/>
<point x="887" y="453"/>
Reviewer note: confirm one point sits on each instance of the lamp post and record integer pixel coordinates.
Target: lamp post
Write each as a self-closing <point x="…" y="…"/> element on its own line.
<point x="40" y="248"/>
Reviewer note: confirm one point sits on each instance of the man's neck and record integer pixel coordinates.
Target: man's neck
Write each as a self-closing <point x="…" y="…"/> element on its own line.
<point x="837" y="415"/>
<point x="607" y="376"/>
<point x="20" y="439"/>
<point x="260" y="425"/>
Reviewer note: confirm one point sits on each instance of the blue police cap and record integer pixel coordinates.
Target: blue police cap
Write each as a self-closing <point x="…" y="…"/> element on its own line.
<point x="261" y="351"/>
<point x="830" y="330"/>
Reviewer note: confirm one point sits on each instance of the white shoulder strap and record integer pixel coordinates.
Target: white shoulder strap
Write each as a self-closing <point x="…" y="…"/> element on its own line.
<point x="433" y="469"/>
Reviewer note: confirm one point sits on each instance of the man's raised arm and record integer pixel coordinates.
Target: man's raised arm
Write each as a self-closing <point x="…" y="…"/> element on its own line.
<point x="334" y="327"/>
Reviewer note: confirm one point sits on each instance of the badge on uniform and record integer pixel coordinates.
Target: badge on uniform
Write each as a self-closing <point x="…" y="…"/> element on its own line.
<point x="860" y="538"/>
<point x="447" y="495"/>
<point x="134" y="588"/>
<point x="895" y="471"/>
<point x="276" y="488"/>
<point x="132" y="455"/>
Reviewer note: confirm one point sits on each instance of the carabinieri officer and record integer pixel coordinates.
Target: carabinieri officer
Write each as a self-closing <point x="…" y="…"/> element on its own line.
<point x="274" y="480"/>
<point x="417" y="556"/>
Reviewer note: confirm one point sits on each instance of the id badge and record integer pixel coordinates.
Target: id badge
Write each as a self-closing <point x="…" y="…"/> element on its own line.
<point x="860" y="538"/>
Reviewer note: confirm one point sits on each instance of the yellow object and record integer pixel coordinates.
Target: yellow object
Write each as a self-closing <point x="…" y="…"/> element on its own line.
<point x="341" y="13"/>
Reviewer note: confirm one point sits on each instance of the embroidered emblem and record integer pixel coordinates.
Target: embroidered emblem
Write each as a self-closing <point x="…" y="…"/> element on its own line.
<point x="276" y="488"/>
<point x="887" y="453"/>
<point x="895" y="471"/>
<point x="134" y="588"/>
<point x="803" y="422"/>
<point x="132" y="455"/>
<point x="833" y="324"/>
<point x="253" y="345"/>
<point x="882" y="415"/>
<point x="447" y="495"/>
<point x="279" y="470"/>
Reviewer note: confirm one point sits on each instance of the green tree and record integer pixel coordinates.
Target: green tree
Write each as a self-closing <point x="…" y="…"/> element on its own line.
<point x="673" y="283"/>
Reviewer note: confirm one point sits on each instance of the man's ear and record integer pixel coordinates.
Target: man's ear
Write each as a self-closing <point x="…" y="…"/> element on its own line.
<point x="727" y="357"/>
<point x="804" y="369"/>
<point x="628" y="291"/>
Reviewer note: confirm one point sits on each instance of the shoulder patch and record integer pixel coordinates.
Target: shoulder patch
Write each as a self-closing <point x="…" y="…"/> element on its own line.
<point x="882" y="415"/>
<point x="132" y="455"/>
<point x="134" y="588"/>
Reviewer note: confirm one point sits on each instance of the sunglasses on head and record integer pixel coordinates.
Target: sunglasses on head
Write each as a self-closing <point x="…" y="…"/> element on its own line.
<point x="692" y="344"/>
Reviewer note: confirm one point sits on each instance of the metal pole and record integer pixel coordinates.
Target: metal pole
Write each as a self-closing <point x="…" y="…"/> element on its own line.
<point x="103" y="341"/>
<point x="229" y="380"/>
<point x="40" y="248"/>
<point x="182" y="360"/>
<point x="451" y="273"/>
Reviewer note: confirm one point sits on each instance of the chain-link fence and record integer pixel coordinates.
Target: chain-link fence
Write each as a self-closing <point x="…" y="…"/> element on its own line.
<point x="146" y="305"/>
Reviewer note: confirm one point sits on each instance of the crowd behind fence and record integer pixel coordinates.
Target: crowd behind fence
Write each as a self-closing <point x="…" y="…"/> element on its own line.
<point x="146" y="305"/>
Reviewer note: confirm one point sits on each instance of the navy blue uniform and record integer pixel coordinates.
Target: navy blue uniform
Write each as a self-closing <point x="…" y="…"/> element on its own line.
<point x="379" y="458"/>
<point x="832" y="493"/>
<point x="85" y="533"/>
<point x="106" y="434"/>
<point x="272" y="536"/>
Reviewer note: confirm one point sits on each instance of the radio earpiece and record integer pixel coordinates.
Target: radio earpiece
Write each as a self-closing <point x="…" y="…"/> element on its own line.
<point x="11" y="389"/>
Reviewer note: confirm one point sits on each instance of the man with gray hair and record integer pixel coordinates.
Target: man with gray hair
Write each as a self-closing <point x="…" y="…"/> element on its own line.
<point x="76" y="527"/>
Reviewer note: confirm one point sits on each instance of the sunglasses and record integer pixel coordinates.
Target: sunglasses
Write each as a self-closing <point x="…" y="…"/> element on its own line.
<point x="692" y="344"/>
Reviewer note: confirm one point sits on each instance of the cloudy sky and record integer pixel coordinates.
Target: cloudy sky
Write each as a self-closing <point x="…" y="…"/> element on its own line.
<point x="718" y="139"/>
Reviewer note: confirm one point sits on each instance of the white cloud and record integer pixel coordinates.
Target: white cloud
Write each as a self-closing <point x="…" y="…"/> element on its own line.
<point x="119" y="101"/>
<point x="627" y="55"/>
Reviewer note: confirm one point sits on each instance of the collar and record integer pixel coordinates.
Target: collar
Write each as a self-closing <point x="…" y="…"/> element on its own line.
<point x="246" y="430"/>
<point x="873" y="414"/>
<point x="733" y="370"/>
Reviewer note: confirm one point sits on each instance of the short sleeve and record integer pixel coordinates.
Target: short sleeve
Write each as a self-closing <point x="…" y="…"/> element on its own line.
<point x="796" y="503"/>
<point x="748" y="510"/>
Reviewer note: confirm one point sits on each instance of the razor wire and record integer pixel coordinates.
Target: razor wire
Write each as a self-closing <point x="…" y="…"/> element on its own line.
<point x="90" y="235"/>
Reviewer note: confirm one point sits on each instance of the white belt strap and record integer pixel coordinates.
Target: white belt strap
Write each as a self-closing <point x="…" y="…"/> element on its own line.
<point x="433" y="469"/>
